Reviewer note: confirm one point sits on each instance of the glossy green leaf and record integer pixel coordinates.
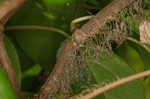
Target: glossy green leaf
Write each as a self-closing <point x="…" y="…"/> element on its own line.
<point x="112" y="68"/>
<point x="6" y="89"/>
<point x="12" y="53"/>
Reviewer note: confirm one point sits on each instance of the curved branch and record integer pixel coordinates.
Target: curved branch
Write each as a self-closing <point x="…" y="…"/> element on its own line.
<point x="80" y="36"/>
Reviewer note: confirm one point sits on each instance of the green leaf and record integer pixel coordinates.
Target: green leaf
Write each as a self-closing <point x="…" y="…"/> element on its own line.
<point x="131" y="56"/>
<point x="144" y="53"/>
<point x="6" y="89"/>
<point x="12" y="53"/>
<point x="112" y="68"/>
<point x="41" y="46"/>
<point x="33" y="71"/>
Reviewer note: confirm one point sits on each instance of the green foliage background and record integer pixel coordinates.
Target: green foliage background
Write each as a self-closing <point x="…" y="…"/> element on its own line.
<point x="33" y="52"/>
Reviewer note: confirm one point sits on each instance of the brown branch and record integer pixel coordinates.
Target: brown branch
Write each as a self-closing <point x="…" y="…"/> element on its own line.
<point x="7" y="9"/>
<point x="101" y="90"/>
<point x="80" y="36"/>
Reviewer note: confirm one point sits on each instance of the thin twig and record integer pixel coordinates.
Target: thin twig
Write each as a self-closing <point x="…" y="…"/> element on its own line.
<point x="101" y="90"/>
<point x="79" y="37"/>
<point x="25" y="27"/>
